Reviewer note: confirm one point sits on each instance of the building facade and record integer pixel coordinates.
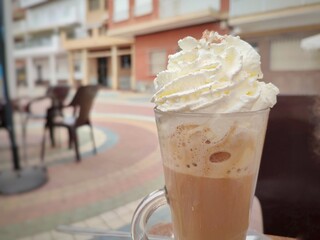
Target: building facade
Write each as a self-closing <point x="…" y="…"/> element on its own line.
<point x="37" y="26"/>
<point x="156" y="26"/>
<point x="277" y="29"/>
<point x="123" y="44"/>
<point x="94" y="57"/>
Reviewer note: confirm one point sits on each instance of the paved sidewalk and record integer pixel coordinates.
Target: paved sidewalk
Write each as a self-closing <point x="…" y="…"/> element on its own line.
<point x="115" y="219"/>
<point x="103" y="189"/>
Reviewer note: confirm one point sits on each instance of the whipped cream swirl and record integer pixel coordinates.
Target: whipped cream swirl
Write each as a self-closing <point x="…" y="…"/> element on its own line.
<point x="214" y="74"/>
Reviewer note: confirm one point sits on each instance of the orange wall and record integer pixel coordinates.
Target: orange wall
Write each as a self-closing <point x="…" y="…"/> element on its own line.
<point x="166" y="40"/>
<point x="132" y="19"/>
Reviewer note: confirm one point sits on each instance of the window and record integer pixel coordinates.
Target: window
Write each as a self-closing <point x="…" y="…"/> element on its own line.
<point x="120" y="10"/>
<point x="77" y="66"/>
<point x="70" y="33"/>
<point x="94" y="5"/>
<point x="287" y="55"/>
<point x="77" y="62"/>
<point x="158" y="61"/>
<point x="126" y="62"/>
<point x="21" y="75"/>
<point x="143" y="7"/>
<point x="89" y="32"/>
<point x="103" y="30"/>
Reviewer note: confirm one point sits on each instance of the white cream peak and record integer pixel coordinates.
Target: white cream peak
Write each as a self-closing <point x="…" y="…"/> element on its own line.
<point x="213" y="74"/>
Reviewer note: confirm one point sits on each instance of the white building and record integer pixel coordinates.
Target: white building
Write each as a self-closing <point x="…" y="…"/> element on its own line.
<point x="37" y="24"/>
<point x="278" y="30"/>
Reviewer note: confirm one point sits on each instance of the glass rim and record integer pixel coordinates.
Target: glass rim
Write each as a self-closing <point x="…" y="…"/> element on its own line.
<point x="210" y="114"/>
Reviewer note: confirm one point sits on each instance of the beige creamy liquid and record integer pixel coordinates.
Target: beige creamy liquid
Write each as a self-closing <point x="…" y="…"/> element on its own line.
<point x="209" y="208"/>
<point x="210" y="178"/>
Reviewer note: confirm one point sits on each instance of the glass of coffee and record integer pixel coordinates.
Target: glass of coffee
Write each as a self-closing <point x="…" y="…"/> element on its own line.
<point x="211" y="163"/>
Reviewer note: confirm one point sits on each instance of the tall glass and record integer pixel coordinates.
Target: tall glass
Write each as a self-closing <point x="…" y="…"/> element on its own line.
<point x="210" y="163"/>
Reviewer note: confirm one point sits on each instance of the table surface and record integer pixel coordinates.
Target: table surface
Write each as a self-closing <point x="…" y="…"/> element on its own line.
<point x="279" y="238"/>
<point x="166" y="229"/>
<point x="270" y="236"/>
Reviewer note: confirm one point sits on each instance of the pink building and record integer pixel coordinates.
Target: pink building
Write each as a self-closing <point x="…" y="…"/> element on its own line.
<point x="156" y="26"/>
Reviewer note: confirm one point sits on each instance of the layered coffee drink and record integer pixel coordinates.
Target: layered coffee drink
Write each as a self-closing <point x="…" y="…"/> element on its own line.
<point x="211" y="113"/>
<point x="210" y="169"/>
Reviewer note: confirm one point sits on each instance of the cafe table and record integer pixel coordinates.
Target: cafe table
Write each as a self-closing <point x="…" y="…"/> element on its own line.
<point x="271" y="237"/>
<point x="158" y="225"/>
<point x="280" y="238"/>
<point x="165" y="230"/>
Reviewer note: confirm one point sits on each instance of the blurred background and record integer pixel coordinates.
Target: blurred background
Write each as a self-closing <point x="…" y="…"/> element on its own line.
<point x="123" y="44"/>
<point x="120" y="45"/>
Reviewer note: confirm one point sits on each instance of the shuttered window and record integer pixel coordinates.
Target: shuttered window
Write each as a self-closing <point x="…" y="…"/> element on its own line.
<point x="158" y="61"/>
<point x="120" y="10"/>
<point x="142" y="7"/>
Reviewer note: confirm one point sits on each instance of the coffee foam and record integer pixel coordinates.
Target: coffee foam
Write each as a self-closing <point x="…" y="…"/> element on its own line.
<point x="229" y="151"/>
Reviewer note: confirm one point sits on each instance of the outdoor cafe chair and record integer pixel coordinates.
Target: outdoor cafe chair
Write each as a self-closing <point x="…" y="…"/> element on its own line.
<point x="81" y="104"/>
<point x="57" y="95"/>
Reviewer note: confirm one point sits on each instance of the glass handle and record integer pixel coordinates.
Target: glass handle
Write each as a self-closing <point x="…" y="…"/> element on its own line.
<point x="144" y="211"/>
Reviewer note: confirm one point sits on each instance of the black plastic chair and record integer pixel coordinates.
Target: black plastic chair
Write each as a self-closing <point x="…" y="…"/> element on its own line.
<point x="82" y="104"/>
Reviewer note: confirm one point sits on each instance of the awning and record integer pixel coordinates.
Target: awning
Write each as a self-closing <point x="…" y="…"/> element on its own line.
<point x="311" y="43"/>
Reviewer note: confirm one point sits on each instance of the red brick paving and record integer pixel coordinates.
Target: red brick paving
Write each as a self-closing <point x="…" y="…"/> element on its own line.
<point x="75" y="185"/>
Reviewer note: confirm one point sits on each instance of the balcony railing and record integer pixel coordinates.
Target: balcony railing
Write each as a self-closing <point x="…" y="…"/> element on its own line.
<point x="34" y="44"/>
<point x="51" y="42"/>
<point x="52" y="15"/>
<point x="37" y="47"/>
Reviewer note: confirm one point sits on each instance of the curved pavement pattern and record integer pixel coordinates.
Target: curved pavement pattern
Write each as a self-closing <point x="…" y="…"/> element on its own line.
<point x="126" y="168"/>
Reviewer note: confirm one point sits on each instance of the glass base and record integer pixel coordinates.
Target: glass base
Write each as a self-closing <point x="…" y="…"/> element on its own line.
<point x="158" y="234"/>
<point x="254" y="235"/>
<point x="164" y="230"/>
<point x="251" y="235"/>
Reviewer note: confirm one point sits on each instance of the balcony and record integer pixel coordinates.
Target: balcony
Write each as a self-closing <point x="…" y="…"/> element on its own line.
<point x="53" y="18"/>
<point x="53" y="15"/>
<point x="93" y="41"/>
<point x="37" y="47"/>
<point x="44" y="42"/>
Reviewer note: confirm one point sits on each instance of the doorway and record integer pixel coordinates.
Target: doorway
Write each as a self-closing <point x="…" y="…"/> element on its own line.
<point x="102" y="70"/>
